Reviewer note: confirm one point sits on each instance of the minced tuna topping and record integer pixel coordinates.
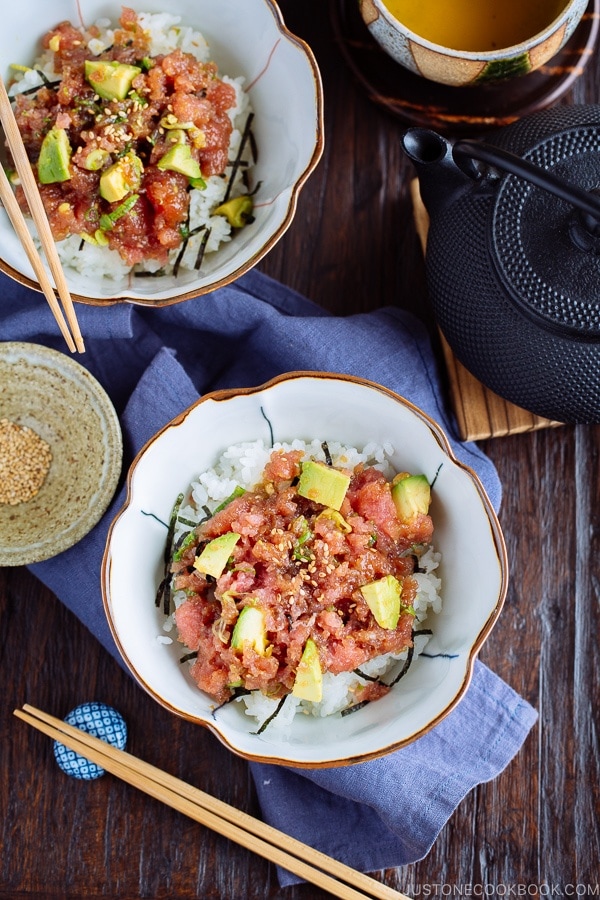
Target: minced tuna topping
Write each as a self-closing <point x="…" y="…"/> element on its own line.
<point x="335" y="580"/>
<point x="120" y="138"/>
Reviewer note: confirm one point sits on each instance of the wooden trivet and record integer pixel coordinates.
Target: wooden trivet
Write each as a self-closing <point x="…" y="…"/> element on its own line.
<point x="479" y="412"/>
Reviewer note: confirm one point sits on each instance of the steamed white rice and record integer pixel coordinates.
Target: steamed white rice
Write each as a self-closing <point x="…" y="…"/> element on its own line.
<point x="167" y="34"/>
<point x="242" y="465"/>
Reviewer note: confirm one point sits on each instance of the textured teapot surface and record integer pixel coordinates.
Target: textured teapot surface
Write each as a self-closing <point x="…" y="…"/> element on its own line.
<point x="514" y="271"/>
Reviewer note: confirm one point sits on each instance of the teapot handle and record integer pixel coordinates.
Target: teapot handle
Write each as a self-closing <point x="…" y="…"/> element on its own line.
<point x="465" y="151"/>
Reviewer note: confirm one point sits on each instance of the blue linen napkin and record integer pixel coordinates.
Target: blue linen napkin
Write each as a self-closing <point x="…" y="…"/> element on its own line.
<point x="154" y="363"/>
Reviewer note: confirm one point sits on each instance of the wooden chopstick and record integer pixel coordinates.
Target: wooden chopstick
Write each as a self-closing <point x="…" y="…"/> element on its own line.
<point x="38" y="214"/>
<point x="15" y="215"/>
<point x="264" y="840"/>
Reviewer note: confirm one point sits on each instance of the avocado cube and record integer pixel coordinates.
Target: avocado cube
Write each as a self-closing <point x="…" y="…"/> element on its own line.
<point x="411" y="496"/>
<point x="54" y="158"/>
<point x="250" y="630"/>
<point x="213" y="559"/>
<point x="309" y="676"/>
<point x="237" y="211"/>
<point x="323" y="484"/>
<point x="178" y="158"/>
<point x="121" y="178"/>
<point x="383" y="599"/>
<point x="110" y="79"/>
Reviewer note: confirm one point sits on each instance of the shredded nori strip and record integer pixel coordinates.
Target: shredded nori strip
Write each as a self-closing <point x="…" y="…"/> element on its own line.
<point x="158" y="274"/>
<point x="415" y="560"/>
<point x="325" y="449"/>
<point x="374" y="678"/>
<point x="238" y="160"/>
<point x="187" y="656"/>
<point x="180" y="255"/>
<point x="187" y="522"/>
<point x="202" y="247"/>
<point x="160" y="590"/>
<point x="186" y="233"/>
<point x="268" y="721"/>
<point x="238" y="692"/>
<point x="377" y="680"/>
<point x="409" y="658"/>
<point x="171" y="530"/>
<point x="404" y="669"/>
<point x="354" y="708"/>
<point x="163" y="594"/>
<point x="51" y="85"/>
<point x="253" y="146"/>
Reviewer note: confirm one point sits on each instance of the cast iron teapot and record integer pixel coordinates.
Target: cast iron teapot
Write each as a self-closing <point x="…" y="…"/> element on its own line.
<point x="513" y="256"/>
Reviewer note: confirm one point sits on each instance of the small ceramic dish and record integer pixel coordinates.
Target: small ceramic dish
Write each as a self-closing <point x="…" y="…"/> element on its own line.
<point x="56" y="398"/>
<point x="247" y="39"/>
<point x="308" y="406"/>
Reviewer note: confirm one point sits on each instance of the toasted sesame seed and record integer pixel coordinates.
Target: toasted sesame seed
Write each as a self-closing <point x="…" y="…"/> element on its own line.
<point x="24" y="462"/>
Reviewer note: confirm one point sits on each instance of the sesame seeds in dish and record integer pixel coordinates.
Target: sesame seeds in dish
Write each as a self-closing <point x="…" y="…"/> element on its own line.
<point x="24" y="462"/>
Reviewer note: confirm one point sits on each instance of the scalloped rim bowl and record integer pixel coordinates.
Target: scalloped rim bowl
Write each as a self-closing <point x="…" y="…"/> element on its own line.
<point x="247" y="38"/>
<point x="328" y="407"/>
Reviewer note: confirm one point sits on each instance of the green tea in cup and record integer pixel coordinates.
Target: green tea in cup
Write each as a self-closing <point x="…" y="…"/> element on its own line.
<point x="479" y="25"/>
<point x="472" y="42"/>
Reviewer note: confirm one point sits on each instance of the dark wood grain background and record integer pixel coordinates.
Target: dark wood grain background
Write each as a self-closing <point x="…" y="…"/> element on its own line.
<point x="534" y="830"/>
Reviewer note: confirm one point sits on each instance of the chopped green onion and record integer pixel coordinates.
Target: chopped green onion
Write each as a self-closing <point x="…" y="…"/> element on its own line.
<point x="198" y="183"/>
<point x="237" y="492"/>
<point x="108" y="219"/>
<point x="187" y="541"/>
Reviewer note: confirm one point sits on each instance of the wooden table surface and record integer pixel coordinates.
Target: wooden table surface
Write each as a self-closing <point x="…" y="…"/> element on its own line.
<point x="534" y="830"/>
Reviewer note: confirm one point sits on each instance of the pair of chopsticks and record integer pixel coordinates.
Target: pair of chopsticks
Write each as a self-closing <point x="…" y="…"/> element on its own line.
<point x="69" y="327"/>
<point x="310" y="864"/>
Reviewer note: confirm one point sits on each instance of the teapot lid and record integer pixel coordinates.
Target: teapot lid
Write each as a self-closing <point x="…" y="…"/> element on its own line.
<point x="548" y="271"/>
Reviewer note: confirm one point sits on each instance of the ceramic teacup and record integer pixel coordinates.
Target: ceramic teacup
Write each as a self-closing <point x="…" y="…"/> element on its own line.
<point x="468" y="67"/>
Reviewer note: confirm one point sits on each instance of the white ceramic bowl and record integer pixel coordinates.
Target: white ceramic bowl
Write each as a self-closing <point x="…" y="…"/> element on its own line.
<point x="324" y="406"/>
<point x="247" y="38"/>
